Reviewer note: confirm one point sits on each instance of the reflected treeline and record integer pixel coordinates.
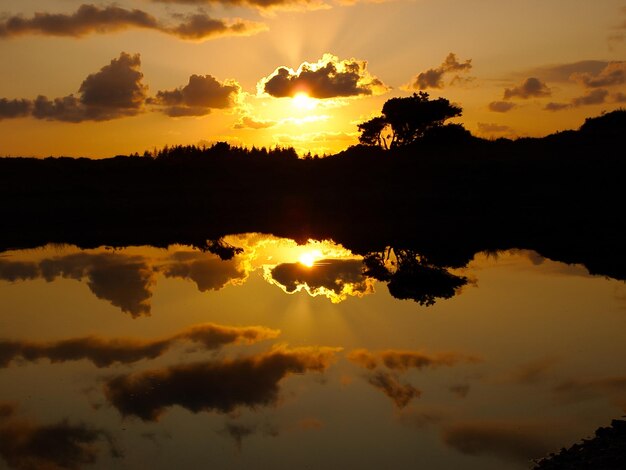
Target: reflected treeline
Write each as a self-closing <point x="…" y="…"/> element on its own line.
<point x="561" y="196"/>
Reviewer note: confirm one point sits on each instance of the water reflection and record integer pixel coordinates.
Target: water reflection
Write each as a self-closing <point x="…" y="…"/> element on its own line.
<point x="230" y="371"/>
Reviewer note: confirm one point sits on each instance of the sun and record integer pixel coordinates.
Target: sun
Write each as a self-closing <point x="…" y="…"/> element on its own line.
<point x="302" y="100"/>
<point x="308" y="259"/>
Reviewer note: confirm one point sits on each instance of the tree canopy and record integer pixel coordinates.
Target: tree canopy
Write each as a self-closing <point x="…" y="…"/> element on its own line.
<point x="406" y="120"/>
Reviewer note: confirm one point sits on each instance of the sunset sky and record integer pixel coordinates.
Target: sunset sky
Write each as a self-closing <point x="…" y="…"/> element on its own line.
<point x="104" y="78"/>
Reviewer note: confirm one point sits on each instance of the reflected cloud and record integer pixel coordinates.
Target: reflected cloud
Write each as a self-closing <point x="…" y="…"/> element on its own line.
<point x="388" y="383"/>
<point x="27" y="445"/>
<point x="220" y="386"/>
<point x="403" y="360"/>
<point x="398" y="362"/>
<point x="335" y="279"/>
<point x="104" y="352"/>
<point x="509" y="441"/>
<point x="209" y="273"/>
<point x="613" y="388"/>
<point x="125" y="281"/>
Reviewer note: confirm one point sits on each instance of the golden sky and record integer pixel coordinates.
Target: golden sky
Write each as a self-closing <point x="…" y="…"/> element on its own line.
<point x="104" y="78"/>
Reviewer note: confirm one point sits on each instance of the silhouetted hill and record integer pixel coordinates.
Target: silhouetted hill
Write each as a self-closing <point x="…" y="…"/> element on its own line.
<point x="446" y="197"/>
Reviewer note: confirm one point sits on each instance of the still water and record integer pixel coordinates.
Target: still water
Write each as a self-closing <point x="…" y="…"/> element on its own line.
<point x="286" y="356"/>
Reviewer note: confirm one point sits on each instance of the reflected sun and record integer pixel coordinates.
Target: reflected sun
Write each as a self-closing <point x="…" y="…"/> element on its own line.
<point x="302" y="100"/>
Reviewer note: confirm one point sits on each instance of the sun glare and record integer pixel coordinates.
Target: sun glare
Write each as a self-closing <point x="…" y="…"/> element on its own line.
<point x="308" y="259"/>
<point x="303" y="101"/>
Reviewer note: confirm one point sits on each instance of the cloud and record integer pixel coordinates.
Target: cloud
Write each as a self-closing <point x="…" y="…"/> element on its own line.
<point x="400" y="393"/>
<point x="220" y="386"/>
<point x="593" y="97"/>
<point x="334" y="278"/>
<point x="26" y="445"/>
<point x="238" y="432"/>
<point x="103" y="352"/>
<point x="209" y="273"/>
<point x="510" y="441"/>
<point x="260" y="4"/>
<point x="403" y="360"/>
<point x="198" y="97"/>
<point x="619" y="97"/>
<point x="492" y="129"/>
<point x="91" y="19"/>
<point x="87" y="19"/>
<point x="125" y="281"/>
<point x="200" y="26"/>
<point x="563" y="72"/>
<point x="421" y="418"/>
<point x="531" y="88"/>
<point x="433" y="78"/>
<point x="614" y="73"/>
<point x="327" y="78"/>
<point x="14" y="108"/>
<point x="501" y="106"/>
<point x="115" y="91"/>
<point x="614" y="388"/>
<point x="249" y="122"/>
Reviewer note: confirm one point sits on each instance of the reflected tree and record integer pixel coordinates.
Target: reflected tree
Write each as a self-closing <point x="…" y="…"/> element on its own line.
<point x="410" y="276"/>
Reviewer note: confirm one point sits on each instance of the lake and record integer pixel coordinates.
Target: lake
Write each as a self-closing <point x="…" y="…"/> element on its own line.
<point x="289" y="356"/>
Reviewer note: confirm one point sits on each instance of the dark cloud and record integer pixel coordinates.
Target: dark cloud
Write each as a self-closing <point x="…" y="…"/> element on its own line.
<point x="519" y="442"/>
<point x="200" y="26"/>
<point x="209" y="273"/>
<point x="86" y="20"/>
<point x="501" y="106"/>
<point x="261" y="4"/>
<point x="554" y="106"/>
<point x="433" y="78"/>
<point x="328" y="78"/>
<point x="26" y="445"/>
<point x="613" y="388"/>
<point x="125" y="281"/>
<point x="104" y="352"/>
<point x="342" y="277"/>
<point x="10" y="109"/>
<point x="404" y="360"/>
<point x="619" y="97"/>
<point x="614" y="73"/>
<point x="113" y="92"/>
<point x="593" y="97"/>
<point x="220" y="386"/>
<point x="563" y="72"/>
<point x="90" y="19"/>
<point x="198" y="97"/>
<point x="531" y="88"/>
<point x="400" y="393"/>
<point x="597" y="96"/>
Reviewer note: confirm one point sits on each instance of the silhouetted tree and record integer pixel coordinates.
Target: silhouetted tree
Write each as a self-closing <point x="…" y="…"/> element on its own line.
<point x="406" y="120"/>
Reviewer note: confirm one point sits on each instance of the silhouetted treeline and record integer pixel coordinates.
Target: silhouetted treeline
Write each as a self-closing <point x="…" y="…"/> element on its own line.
<point x="445" y="196"/>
